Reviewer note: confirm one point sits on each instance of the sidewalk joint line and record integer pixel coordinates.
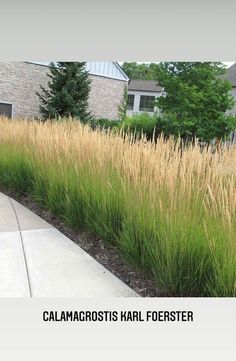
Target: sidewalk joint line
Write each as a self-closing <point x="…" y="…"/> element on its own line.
<point x="23" y="248"/>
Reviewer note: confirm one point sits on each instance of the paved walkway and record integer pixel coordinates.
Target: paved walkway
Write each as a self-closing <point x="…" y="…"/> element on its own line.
<point x="36" y="260"/>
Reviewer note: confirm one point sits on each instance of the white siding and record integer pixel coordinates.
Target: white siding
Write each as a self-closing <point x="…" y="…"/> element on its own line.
<point x="137" y="94"/>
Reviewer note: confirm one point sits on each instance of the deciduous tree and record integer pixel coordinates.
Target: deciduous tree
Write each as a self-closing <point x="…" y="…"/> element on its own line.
<point x="196" y="100"/>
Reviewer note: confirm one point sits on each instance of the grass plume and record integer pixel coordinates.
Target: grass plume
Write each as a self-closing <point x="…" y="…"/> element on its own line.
<point x="171" y="211"/>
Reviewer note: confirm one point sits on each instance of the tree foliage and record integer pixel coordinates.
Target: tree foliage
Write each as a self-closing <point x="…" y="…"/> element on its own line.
<point x="144" y="71"/>
<point x="67" y="92"/>
<point x="196" y="100"/>
<point x="122" y="109"/>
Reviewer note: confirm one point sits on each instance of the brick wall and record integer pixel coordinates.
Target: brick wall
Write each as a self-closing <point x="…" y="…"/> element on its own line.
<point x="19" y="83"/>
<point x="105" y="97"/>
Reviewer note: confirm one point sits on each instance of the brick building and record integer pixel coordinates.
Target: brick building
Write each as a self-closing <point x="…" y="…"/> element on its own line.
<point x="19" y="82"/>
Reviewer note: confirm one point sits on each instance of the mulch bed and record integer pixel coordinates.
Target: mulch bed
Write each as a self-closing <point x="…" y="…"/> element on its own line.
<point x="108" y="256"/>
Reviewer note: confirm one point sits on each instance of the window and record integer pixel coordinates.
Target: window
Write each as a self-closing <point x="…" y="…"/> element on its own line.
<point x="130" y="102"/>
<point x="147" y="103"/>
<point x="6" y="110"/>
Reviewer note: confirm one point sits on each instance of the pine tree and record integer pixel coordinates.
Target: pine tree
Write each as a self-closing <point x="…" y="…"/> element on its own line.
<point x="67" y="92"/>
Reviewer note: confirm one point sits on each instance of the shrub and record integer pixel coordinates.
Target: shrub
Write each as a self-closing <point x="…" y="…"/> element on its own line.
<point x="170" y="125"/>
<point x="104" y="123"/>
<point x="141" y="123"/>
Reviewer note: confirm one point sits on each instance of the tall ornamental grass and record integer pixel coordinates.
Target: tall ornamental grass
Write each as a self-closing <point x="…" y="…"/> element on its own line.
<point x="171" y="211"/>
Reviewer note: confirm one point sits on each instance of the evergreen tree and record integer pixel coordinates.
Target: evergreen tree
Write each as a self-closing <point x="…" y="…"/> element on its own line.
<point x="67" y="92"/>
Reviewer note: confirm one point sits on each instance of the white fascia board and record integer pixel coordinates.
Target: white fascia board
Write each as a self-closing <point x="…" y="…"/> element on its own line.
<point x="121" y="70"/>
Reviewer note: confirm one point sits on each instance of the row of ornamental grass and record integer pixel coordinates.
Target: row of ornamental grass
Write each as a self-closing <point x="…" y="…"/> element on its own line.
<point x="171" y="211"/>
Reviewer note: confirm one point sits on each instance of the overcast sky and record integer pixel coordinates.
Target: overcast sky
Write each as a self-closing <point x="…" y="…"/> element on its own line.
<point x="228" y="63"/>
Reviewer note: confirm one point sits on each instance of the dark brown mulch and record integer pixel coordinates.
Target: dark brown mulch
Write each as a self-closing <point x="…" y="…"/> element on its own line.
<point x="109" y="257"/>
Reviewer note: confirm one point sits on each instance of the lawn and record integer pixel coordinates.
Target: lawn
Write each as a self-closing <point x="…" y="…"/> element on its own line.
<point x="170" y="211"/>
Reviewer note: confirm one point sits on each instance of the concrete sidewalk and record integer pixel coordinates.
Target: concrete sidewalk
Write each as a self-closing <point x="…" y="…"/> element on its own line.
<point x="36" y="260"/>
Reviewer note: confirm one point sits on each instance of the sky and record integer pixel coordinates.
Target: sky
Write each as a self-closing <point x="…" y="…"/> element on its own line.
<point x="228" y="63"/>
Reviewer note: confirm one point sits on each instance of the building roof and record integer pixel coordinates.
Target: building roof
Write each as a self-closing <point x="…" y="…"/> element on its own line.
<point x="231" y="74"/>
<point x="107" y="69"/>
<point x="144" y="85"/>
